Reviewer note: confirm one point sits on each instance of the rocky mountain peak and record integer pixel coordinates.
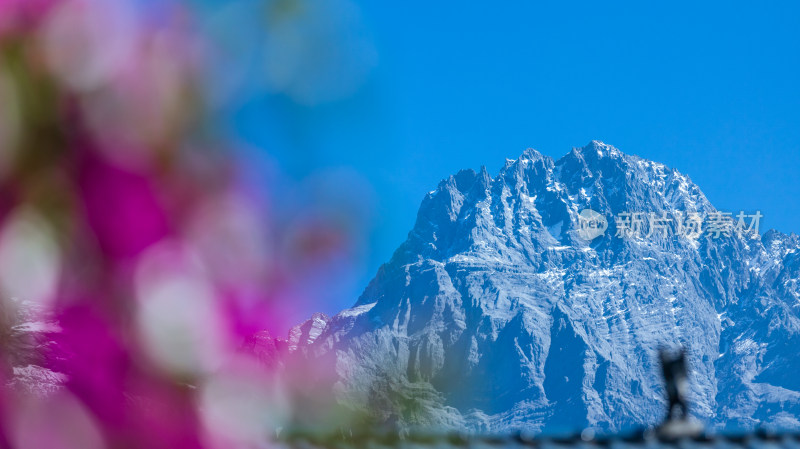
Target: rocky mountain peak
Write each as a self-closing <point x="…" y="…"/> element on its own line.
<point x="497" y="314"/>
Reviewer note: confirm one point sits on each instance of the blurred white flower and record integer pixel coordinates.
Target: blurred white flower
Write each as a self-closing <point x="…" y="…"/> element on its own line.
<point x="243" y="406"/>
<point x="178" y="317"/>
<point x="86" y="41"/>
<point x="29" y="258"/>
<point x="144" y="105"/>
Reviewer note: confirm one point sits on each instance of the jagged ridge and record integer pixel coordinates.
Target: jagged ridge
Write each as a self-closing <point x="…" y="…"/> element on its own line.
<point x="496" y="314"/>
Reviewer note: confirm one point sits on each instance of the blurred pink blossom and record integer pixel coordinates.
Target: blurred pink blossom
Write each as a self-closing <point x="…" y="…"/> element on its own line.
<point x="124" y="222"/>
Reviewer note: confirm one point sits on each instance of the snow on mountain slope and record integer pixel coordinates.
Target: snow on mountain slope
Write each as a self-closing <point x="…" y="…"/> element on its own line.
<point x="26" y="339"/>
<point x="496" y="314"/>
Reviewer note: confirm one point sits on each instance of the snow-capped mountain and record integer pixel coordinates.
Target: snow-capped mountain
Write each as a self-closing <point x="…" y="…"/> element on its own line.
<point x="498" y="313"/>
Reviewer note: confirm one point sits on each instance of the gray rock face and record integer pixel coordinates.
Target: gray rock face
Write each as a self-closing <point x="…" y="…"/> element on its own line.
<point x="303" y="335"/>
<point x="496" y="314"/>
<point x="26" y="342"/>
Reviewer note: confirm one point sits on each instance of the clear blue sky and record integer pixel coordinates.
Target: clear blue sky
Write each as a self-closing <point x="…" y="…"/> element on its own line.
<point x="709" y="88"/>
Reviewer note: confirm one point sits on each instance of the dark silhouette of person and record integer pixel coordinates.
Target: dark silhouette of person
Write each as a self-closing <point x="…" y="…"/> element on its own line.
<point x="673" y="366"/>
